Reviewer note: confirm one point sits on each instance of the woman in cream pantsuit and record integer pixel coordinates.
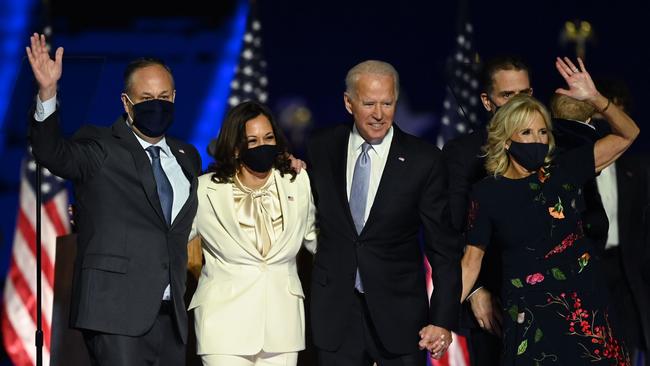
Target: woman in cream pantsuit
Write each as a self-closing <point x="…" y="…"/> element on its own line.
<point x="254" y="214"/>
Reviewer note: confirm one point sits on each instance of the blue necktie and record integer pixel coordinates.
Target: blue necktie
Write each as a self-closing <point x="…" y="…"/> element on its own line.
<point x="165" y="191"/>
<point x="359" y="196"/>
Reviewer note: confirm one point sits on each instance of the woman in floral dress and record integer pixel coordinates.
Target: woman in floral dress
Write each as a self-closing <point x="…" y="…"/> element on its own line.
<point x="555" y="306"/>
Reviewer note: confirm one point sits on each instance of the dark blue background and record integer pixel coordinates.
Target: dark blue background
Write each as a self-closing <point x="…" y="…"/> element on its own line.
<point x="308" y="46"/>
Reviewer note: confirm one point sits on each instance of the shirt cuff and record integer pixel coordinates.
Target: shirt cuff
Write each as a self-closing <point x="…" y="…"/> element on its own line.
<point x="44" y="109"/>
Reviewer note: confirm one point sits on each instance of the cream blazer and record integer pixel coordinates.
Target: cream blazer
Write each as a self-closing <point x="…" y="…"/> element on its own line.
<point x="245" y="303"/>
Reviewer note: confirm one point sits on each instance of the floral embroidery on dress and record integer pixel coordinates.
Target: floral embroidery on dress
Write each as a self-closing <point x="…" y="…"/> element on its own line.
<point x="516" y="282"/>
<point x="568" y="187"/>
<point x="566" y="243"/>
<point x="471" y="214"/>
<point x="543" y="175"/>
<point x="599" y="341"/>
<point x="557" y="211"/>
<point x="540" y="198"/>
<point x="525" y="317"/>
<point x="534" y="278"/>
<point x="558" y="274"/>
<point x="583" y="261"/>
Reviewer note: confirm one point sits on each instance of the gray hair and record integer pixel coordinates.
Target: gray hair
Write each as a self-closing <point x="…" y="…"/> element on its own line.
<point x="370" y="67"/>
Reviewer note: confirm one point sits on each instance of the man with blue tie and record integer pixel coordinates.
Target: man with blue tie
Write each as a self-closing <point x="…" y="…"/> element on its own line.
<point x="375" y="188"/>
<point x="135" y="202"/>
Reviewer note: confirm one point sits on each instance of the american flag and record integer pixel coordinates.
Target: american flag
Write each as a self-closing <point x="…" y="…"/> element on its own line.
<point x="19" y="305"/>
<point x="461" y="111"/>
<point x="462" y="105"/>
<point x="250" y="79"/>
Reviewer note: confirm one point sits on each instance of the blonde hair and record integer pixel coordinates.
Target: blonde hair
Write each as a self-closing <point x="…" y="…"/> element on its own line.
<point x="513" y="116"/>
<point x="565" y="107"/>
<point x="370" y="67"/>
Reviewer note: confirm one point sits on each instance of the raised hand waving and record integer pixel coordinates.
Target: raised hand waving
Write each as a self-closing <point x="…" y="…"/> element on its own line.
<point x="47" y="71"/>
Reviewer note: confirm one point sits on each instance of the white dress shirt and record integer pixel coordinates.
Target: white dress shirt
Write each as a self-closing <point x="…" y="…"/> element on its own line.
<point x="608" y="190"/>
<point x="180" y="183"/>
<point x="378" y="157"/>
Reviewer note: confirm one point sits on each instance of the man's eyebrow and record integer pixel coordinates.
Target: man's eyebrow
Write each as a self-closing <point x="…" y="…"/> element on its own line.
<point x="148" y="94"/>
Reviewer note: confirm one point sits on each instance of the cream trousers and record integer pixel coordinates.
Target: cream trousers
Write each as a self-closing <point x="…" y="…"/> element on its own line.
<point x="260" y="359"/>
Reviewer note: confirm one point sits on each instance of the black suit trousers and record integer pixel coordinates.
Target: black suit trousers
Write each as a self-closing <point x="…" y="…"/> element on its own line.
<point x="160" y="346"/>
<point x="362" y="347"/>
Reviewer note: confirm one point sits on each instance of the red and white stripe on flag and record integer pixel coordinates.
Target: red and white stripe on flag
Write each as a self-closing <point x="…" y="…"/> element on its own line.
<point x="457" y="354"/>
<point x="19" y="305"/>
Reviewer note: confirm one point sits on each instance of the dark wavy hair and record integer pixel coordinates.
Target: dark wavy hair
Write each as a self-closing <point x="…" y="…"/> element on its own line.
<point x="498" y="63"/>
<point x="232" y="138"/>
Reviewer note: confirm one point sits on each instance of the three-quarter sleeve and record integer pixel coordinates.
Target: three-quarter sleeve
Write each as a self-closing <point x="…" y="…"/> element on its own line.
<point x="479" y="224"/>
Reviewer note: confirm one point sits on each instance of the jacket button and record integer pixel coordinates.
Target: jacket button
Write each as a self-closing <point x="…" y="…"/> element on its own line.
<point x="358" y="243"/>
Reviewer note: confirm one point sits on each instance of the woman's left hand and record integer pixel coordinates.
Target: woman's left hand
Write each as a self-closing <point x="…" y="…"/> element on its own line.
<point x="581" y="86"/>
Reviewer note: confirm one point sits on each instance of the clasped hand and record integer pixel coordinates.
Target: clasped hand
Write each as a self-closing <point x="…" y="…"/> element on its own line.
<point x="435" y="339"/>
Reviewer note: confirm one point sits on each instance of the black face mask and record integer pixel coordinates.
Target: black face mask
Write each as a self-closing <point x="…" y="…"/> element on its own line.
<point x="529" y="155"/>
<point x="260" y="158"/>
<point x="153" y="117"/>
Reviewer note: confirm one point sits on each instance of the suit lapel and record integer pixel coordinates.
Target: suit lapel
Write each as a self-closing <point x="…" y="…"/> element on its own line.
<point x="288" y="202"/>
<point x="184" y="161"/>
<point x="339" y="160"/>
<point x="392" y="175"/>
<point x="142" y="164"/>
<point x="223" y="204"/>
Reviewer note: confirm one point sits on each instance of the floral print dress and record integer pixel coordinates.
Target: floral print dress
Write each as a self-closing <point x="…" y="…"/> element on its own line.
<point x="554" y="303"/>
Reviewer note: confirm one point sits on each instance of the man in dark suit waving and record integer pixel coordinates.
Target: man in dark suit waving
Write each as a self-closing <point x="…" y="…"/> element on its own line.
<point x="375" y="188"/>
<point x="136" y="200"/>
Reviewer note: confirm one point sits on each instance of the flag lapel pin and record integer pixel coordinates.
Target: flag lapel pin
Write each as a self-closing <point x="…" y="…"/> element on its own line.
<point x="181" y="151"/>
<point x="401" y="158"/>
<point x="290" y="198"/>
